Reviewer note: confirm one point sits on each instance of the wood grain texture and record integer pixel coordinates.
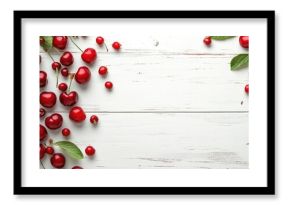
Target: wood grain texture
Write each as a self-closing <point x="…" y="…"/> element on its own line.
<point x="175" y="104"/>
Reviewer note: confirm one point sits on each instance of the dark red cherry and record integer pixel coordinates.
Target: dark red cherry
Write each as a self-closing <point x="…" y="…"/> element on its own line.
<point x="59" y="42"/>
<point x="54" y="121"/>
<point x="42" y="132"/>
<point x="66" y="59"/>
<point x="42" y="78"/>
<point x="42" y="112"/>
<point x="77" y="167"/>
<point x="244" y="41"/>
<point x="83" y="75"/>
<point x="57" y="160"/>
<point x="89" y="55"/>
<point x="64" y="72"/>
<point x="77" y="114"/>
<point x="68" y="99"/>
<point x="47" y="99"/>
<point x="42" y="151"/>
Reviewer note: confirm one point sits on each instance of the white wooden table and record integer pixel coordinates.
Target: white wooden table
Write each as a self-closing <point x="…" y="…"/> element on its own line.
<point x="175" y="104"/>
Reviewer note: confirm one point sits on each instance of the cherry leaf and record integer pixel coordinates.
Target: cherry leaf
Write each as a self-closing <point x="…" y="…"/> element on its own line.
<point x="47" y="42"/>
<point x="71" y="149"/>
<point x="221" y="38"/>
<point x="240" y="61"/>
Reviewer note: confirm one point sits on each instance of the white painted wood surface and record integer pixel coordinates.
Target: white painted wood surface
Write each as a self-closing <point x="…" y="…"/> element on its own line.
<point x="175" y="104"/>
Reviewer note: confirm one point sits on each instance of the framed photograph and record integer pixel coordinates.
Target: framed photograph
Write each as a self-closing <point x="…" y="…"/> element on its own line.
<point x="144" y="102"/>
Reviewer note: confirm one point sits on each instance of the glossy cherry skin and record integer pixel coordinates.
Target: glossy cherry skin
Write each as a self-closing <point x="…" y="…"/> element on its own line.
<point x="68" y="99"/>
<point x="207" y="40"/>
<point x="42" y="132"/>
<point x="247" y="88"/>
<point x="64" y="72"/>
<point x="42" y="112"/>
<point x="54" y="121"/>
<point x="244" y="41"/>
<point x="62" y="87"/>
<point x="77" y="167"/>
<point x="109" y="85"/>
<point x="49" y="150"/>
<point x="42" y="78"/>
<point x="103" y="70"/>
<point x="55" y="65"/>
<point x="65" y="132"/>
<point x="77" y="114"/>
<point x="116" y="45"/>
<point x="83" y="75"/>
<point x="90" y="150"/>
<point x="66" y="59"/>
<point x="94" y="119"/>
<point x="100" y="40"/>
<point x="57" y="160"/>
<point x="59" y="42"/>
<point x="42" y="151"/>
<point x="47" y="99"/>
<point x="89" y="55"/>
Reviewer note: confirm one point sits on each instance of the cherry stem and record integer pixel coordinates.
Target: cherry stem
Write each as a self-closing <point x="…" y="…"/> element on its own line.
<point x="51" y="57"/>
<point x="42" y="164"/>
<point x="72" y="75"/>
<point x="106" y="47"/>
<point x="75" y="44"/>
<point x="57" y="50"/>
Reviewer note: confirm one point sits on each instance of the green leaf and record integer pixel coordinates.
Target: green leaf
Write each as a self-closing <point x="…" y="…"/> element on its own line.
<point x="240" y="61"/>
<point x="221" y="38"/>
<point x="71" y="149"/>
<point x="47" y="42"/>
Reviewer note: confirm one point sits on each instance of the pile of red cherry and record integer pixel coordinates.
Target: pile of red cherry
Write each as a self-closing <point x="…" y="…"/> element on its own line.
<point x="48" y="99"/>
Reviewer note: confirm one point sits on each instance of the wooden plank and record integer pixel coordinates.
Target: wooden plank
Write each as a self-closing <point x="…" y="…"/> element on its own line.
<point x="158" y="82"/>
<point x="161" y="140"/>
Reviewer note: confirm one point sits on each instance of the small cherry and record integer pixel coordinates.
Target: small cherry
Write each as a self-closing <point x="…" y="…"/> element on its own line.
<point x="42" y="151"/>
<point x="207" y="40"/>
<point x="54" y="121"/>
<point x="55" y="66"/>
<point x="57" y="160"/>
<point x="89" y="55"/>
<point x="47" y="99"/>
<point x="68" y="99"/>
<point x="42" y="132"/>
<point x="49" y="150"/>
<point x="103" y="70"/>
<point x="42" y="78"/>
<point x="62" y="87"/>
<point x="77" y="114"/>
<point x="65" y="132"/>
<point x="94" y="119"/>
<point x="116" y="45"/>
<point x="247" y="88"/>
<point x="90" y="150"/>
<point x="42" y="112"/>
<point x="66" y="59"/>
<point x="109" y="85"/>
<point x="83" y="75"/>
<point x="100" y="41"/>
<point x="77" y="167"/>
<point x="64" y="72"/>
<point x="59" y="42"/>
<point x="244" y="41"/>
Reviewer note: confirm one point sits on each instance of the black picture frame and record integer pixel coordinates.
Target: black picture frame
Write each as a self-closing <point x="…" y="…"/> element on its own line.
<point x="268" y="190"/>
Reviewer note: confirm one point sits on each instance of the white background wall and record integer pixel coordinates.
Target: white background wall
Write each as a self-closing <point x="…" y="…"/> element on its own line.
<point x="282" y="96"/>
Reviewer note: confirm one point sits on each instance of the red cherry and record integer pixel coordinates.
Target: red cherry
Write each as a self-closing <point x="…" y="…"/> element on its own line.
<point x="77" y="167"/>
<point x="42" y="151"/>
<point x="55" y="65"/>
<point x="100" y="40"/>
<point x="77" y="114"/>
<point x="247" y="88"/>
<point x="62" y="87"/>
<point x="116" y="45"/>
<point x="64" y="72"/>
<point x="42" y="78"/>
<point x="54" y="121"/>
<point x="47" y="99"/>
<point x="59" y="42"/>
<point x="42" y="112"/>
<point x="65" y="132"/>
<point x="66" y="59"/>
<point x="94" y="119"/>
<point x="90" y="150"/>
<point x="83" y="75"/>
<point x="207" y="40"/>
<point x="109" y="85"/>
<point x="68" y="99"/>
<point x="41" y="41"/>
<point x="89" y="55"/>
<point x="244" y="41"/>
<point x="103" y="70"/>
<point x="49" y="150"/>
<point x="42" y="132"/>
<point x="57" y="160"/>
